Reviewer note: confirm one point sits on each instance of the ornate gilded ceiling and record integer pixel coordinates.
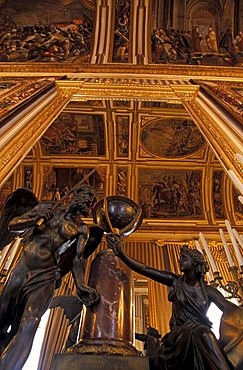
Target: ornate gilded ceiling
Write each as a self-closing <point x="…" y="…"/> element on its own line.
<point x="85" y="93"/>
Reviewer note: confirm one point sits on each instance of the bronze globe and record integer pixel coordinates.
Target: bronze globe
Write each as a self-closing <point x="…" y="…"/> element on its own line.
<point x="118" y="214"/>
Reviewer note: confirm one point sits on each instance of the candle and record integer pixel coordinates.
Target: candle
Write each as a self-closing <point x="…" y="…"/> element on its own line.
<point x="238" y="237"/>
<point x="210" y="257"/>
<point x="210" y="276"/>
<point x="235" y="179"/>
<point x="199" y="248"/>
<point x="226" y="248"/>
<point x="234" y="243"/>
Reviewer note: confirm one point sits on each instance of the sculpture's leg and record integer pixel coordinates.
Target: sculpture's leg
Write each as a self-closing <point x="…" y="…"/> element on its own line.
<point x="17" y="352"/>
<point x="8" y="300"/>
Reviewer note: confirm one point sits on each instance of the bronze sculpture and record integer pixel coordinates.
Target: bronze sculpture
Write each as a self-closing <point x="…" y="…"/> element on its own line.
<point x="50" y="249"/>
<point x="151" y="346"/>
<point x="190" y="344"/>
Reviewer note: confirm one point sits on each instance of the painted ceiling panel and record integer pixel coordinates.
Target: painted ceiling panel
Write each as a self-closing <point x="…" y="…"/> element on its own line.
<point x="75" y="134"/>
<point x="172" y="138"/>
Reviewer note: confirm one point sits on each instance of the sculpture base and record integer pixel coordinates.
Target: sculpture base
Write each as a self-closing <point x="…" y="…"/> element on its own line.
<point x="94" y="362"/>
<point x="104" y="347"/>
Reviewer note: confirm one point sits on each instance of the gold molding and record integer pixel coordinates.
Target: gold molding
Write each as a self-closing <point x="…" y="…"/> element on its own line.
<point x="185" y="92"/>
<point x="175" y="71"/>
<point x="224" y="148"/>
<point x="15" y="151"/>
<point x="135" y="90"/>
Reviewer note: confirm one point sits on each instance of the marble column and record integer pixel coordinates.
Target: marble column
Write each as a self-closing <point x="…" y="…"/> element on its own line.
<point x="107" y="328"/>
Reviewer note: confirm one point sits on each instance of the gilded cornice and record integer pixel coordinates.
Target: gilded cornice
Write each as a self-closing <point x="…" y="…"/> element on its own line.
<point x="163" y="232"/>
<point x="131" y="89"/>
<point x="185" y="92"/>
<point x="74" y="70"/>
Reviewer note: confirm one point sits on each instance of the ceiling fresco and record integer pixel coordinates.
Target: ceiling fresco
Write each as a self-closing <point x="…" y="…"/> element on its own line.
<point x="202" y="35"/>
<point x="77" y="134"/>
<point x="185" y="33"/>
<point x="121" y="31"/>
<point x="58" y="181"/>
<point x="171" y="193"/>
<point x="161" y="104"/>
<point x="171" y="138"/>
<point x="162" y="162"/>
<point x="148" y="151"/>
<point x="122" y="129"/>
<point x="50" y="31"/>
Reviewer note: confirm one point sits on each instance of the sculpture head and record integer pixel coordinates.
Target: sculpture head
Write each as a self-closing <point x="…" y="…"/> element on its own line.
<point x="193" y="259"/>
<point x="83" y="200"/>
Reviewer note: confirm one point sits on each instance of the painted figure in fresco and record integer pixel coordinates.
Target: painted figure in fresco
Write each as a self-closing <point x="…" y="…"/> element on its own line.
<point x="226" y="42"/>
<point x="190" y="344"/>
<point x="238" y="41"/>
<point x="196" y="39"/>
<point x="211" y="40"/>
<point x="43" y="42"/>
<point x="51" y="248"/>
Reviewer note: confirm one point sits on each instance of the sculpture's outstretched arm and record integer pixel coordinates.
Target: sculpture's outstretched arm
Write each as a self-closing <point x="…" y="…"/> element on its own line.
<point x="216" y="297"/>
<point x="164" y="277"/>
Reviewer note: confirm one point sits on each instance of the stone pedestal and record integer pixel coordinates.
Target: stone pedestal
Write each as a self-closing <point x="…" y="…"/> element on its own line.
<point x="94" y="362"/>
<point x="107" y="327"/>
<point x="107" y="333"/>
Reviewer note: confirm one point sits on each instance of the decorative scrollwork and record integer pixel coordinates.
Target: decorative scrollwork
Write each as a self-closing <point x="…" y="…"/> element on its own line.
<point x="89" y="4"/>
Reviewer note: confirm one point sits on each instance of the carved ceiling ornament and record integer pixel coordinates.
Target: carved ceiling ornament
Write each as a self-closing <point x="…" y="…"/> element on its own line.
<point x="114" y="89"/>
<point x="122" y="181"/>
